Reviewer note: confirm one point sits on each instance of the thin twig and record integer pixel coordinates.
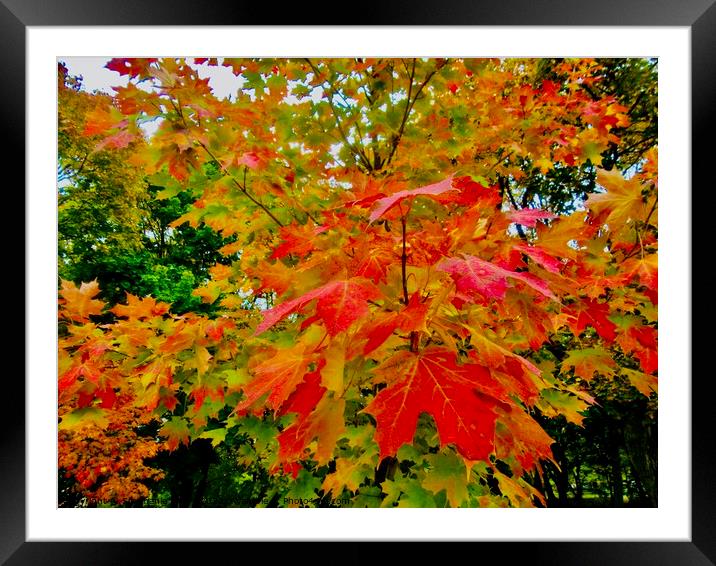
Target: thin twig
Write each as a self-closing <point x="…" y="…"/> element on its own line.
<point x="239" y="186"/>
<point x="409" y="107"/>
<point x="357" y="152"/>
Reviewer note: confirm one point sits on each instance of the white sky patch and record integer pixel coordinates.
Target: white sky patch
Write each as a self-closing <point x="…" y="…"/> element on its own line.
<point x="94" y="76"/>
<point x="222" y="80"/>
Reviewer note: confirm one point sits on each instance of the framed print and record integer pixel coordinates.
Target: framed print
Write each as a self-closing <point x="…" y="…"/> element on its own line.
<point x="347" y="268"/>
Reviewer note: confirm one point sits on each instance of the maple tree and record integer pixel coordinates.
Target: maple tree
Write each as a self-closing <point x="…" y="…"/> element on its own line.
<point x="394" y="316"/>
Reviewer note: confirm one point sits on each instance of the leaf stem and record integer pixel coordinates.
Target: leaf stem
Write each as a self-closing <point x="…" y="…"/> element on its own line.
<point x="404" y="259"/>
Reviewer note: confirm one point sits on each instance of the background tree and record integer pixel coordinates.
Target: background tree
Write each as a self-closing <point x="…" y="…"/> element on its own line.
<point x="111" y="226"/>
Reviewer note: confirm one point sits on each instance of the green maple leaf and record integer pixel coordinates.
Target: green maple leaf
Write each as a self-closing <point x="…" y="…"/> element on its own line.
<point x="176" y="431"/>
<point x="82" y="417"/>
<point x="554" y="402"/>
<point x="587" y="361"/>
<point x="447" y="472"/>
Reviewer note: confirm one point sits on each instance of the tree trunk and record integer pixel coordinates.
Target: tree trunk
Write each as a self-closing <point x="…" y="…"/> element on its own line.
<point x="641" y="449"/>
<point x="578" y="484"/>
<point x="561" y="475"/>
<point x="615" y="470"/>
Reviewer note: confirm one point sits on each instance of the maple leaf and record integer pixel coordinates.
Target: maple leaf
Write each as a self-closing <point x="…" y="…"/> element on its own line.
<point x="297" y="240"/>
<point x="470" y="192"/>
<point x="411" y="318"/>
<point x="216" y="436"/>
<point x="558" y="238"/>
<point x="406" y="493"/>
<point x="648" y="359"/>
<point x="332" y="372"/>
<point x="434" y="383"/>
<point x="176" y="431"/>
<point x="372" y="257"/>
<point x="140" y="308"/>
<point x="349" y="475"/>
<point x="276" y="377"/>
<point x="623" y="202"/>
<point x="518" y="434"/>
<point x="116" y="141"/>
<point x="99" y="120"/>
<point x="87" y="369"/>
<point x="587" y="361"/>
<point x="643" y="382"/>
<point x="645" y="270"/>
<point x="132" y="67"/>
<point x="447" y="472"/>
<point x="518" y="491"/>
<point x="533" y="323"/>
<point x="555" y="402"/>
<point x="181" y="338"/>
<point x="340" y="351"/>
<point x="379" y="329"/>
<point x="84" y="417"/>
<point x="590" y="312"/>
<point x="385" y="204"/>
<point x="475" y="278"/>
<point x="306" y="396"/>
<point x="637" y="339"/>
<point x="339" y="304"/>
<point x="79" y="304"/>
<point x="541" y="257"/>
<point x="529" y="216"/>
<point x="250" y="159"/>
<point x="325" y="424"/>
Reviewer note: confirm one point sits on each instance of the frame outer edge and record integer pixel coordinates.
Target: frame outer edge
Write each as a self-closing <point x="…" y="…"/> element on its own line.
<point x="703" y="123"/>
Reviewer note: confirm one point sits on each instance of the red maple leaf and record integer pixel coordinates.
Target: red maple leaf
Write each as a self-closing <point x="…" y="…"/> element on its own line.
<point x="250" y="159"/>
<point x="297" y="240"/>
<point x="410" y="319"/>
<point x="340" y="303"/>
<point x="592" y="313"/>
<point x="385" y="204"/>
<point x="541" y="257"/>
<point x="470" y="192"/>
<point x="529" y="216"/>
<point x="316" y="417"/>
<point x="133" y="66"/>
<point x="476" y="278"/>
<point x="454" y="395"/>
<point x="277" y="378"/>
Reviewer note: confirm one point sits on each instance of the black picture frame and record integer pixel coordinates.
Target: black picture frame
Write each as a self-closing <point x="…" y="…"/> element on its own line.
<point x="698" y="15"/>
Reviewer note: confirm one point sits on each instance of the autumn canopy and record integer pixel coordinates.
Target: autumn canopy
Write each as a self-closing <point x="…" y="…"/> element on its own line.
<point x="420" y="266"/>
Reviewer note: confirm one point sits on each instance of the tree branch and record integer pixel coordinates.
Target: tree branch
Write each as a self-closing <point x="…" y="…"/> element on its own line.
<point x="506" y="188"/>
<point x="357" y="152"/>
<point x="242" y="188"/>
<point x="239" y="186"/>
<point x="409" y="106"/>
